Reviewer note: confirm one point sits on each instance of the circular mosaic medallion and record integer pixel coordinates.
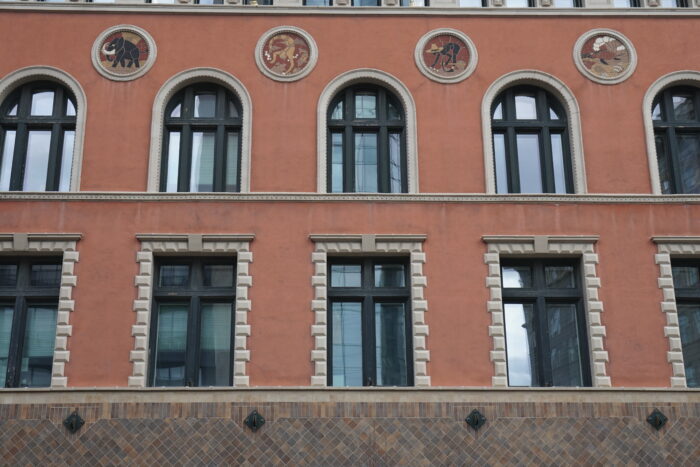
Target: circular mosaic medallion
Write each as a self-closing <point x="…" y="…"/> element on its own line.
<point x="446" y="55"/>
<point x="123" y="52"/>
<point x="286" y="53"/>
<point x="605" y="56"/>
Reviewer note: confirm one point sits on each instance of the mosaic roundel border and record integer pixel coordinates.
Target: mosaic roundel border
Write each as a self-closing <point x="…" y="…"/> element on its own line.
<point x="598" y="78"/>
<point x="140" y="70"/>
<point x="430" y="72"/>
<point x="263" y="45"/>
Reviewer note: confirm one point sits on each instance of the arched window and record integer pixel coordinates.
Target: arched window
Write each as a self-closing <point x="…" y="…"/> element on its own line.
<point x="37" y="138"/>
<point x="530" y="142"/>
<point x="202" y="140"/>
<point x="366" y="141"/>
<point x="676" y="119"/>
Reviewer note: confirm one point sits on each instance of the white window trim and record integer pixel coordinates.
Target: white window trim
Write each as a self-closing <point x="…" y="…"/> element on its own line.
<point x="46" y="73"/>
<point x="169" y="89"/>
<point x="39" y="244"/>
<point x="669" y="248"/>
<point x="537" y="246"/>
<point x="191" y="245"/>
<point x="368" y="245"/>
<point x="380" y="78"/>
<point x="677" y="78"/>
<point x="566" y="98"/>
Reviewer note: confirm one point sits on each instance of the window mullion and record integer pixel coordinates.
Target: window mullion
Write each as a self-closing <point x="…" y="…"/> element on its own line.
<point x="512" y="161"/>
<point x="54" y="163"/>
<point x="185" y="158"/>
<point x="219" y="158"/>
<point x="548" y="184"/>
<point x="383" y="159"/>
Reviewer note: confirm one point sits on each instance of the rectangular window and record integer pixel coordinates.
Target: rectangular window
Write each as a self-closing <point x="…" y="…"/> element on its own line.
<point x="369" y="323"/>
<point x="29" y="291"/>
<point x="545" y="326"/>
<point x="686" y="282"/>
<point x="193" y="325"/>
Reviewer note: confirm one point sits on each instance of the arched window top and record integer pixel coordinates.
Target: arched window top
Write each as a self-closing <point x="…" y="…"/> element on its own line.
<point x="200" y="134"/>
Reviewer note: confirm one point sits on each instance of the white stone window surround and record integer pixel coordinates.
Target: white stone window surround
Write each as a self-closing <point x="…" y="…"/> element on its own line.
<point x="669" y="248"/>
<point x="676" y="78"/>
<point x="40" y="244"/>
<point x="191" y="245"/>
<point x="566" y="98"/>
<point x="379" y="78"/>
<point x="169" y="89"/>
<point x="536" y="247"/>
<point x="369" y="245"/>
<point x="16" y="78"/>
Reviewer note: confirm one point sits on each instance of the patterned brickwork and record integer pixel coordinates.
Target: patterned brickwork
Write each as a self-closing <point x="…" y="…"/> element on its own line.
<point x="409" y="433"/>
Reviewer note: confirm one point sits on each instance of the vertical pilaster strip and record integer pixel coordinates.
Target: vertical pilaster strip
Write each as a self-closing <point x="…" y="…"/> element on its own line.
<point x="244" y="281"/>
<point x="494" y="307"/>
<point x="319" y="307"/>
<point x="66" y="305"/>
<point x="142" y="307"/>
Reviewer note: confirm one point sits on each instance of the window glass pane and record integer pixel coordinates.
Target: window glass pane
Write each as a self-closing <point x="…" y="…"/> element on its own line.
<point x="470" y="3"/>
<point x="171" y="345"/>
<point x="498" y="112"/>
<point x="560" y="277"/>
<point x="553" y="115"/>
<point x="45" y="275"/>
<point x="689" y="322"/>
<point x="232" y="162"/>
<point x="516" y="4"/>
<point x="365" y="2"/>
<point x="8" y="275"/>
<point x="683" y="107"/>
<point x="365" y="105"/>
<point x="564" y="3"/>
<point x="337" y="113"/>
<point x="66" y="160"/>
<point x="6" y="313"/>
<point x="173" y="162"/>
<point x="8" y="152"/>
<point x="499" y="152"/>
<point x="394" y="163"/>
<point x="662" y="158"/>
<point x="204" y="105"/>
<point x="336" y="162"/>
<point x="516" y="277"/>
<point x="393" y="111"/>
<point x="232" y="107"/>
<point x="202" y="175"/>
<point x="346" y="275"/>
<point x="558" y="163"/>
<point x="174" y="275"/>
<point x="685" y="277"/>
<point x="529" y="163"/>
<point x="37" y="163"/>
<point x="521" y="347"/>
<point x="389" y="275"/>
<point x="218" y="275"/>
<point x="317" y="2"/>
<point x="177" y="111"/>
<point x="525" y="104"/>
<point x="215" y="345"/>
<point x="366" y="162"/>
<point x="689" y="162"/>
<point x="13" y="111"/>
<point x="656" y="112"/>
<point x="42" y="103"/>
<point x="70" y="108"/>
<point x="390" y="333"/>
<point x="37" y="353"/>
<point x="622" y="3"/>
<point x="347" y="344"/>
<point x="564" y="348"/>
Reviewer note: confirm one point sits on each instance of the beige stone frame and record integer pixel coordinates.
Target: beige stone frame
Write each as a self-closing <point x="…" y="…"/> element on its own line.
<point x="191" y="245"/>
<point x="35" y="244"/>
<point x="538" y="246"/>
<point x="667" y="249"/>
<point x="365" y="245"/>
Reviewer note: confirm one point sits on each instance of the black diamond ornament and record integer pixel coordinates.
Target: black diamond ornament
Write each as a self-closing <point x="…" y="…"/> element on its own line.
<point x="73" y="422"/>
<point x="657" y="419"/>
<point x="475" y="419"/>
<point x="254" y="421"/>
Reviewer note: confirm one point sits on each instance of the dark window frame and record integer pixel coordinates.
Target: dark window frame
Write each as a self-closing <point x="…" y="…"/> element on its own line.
<point x="543" y="126"/>
<point x="58" y="123"/>
<point x="540" y="296"/>
<point x="194" y="295"/>
<point x="186" y="124"/>
<point x="686" y="296"/>
<point x="668" y="128"/>
<point x="367" y="294"/>
<point x="382" y="125"/>
<point x="20" y="297"/>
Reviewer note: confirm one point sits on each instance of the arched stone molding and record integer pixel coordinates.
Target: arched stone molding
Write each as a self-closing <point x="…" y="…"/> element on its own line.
<point x="567" y="99"/>
<point x="46" y="73"/>
<point x="676" y="78"/>
<point x="381" y="78"/>
<point x="168" y="90"/>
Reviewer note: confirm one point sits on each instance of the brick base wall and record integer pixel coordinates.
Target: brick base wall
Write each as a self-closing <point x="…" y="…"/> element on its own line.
<point x="350" y="433"/>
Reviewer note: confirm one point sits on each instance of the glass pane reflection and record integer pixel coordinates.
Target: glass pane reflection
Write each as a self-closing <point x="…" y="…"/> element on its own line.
<point x="337" y="163"/>
<point x="499" y="151"/>
<point x="689" y="162"/>
<point x="564" y="345"/>
<point x="217" y="275"/>
<point x="346" y="275"/>
<point x="215" y="345"/>
<point x="202" y="175"/>
<point x="8" y="275"/>
<point x="683" y="107"/>
<point x="37" y="352"/>
<point x="174" y="275"/>
<point x="389" y="275"/>
<point x="689" y="322"/>
<point x="685" y="277"/>
<point x="559" y="277"/>
<point x="525" y="104"/>
<point x="390" y="331"/>
<point x="8" y="152"/>
<point x="365" y="105"/>
<point x="366" y="162"/>
<point x="37" y="162"/>
<point x="521" y="347"/>
<point x="42" y="104"/>
<point x="6" y="314"/>
<point x="204" y="105"/>
<point x="516" y="277"/>
<point x="530" y="170"/>
<point x="347" y="344"/>
<point x="171" y="345"/>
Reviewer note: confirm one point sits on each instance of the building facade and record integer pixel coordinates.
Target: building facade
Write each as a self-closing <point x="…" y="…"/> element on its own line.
<point x="363" y="222"/>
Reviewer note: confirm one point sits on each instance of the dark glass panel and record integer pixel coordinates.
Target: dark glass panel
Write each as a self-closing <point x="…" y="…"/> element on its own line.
<point x="37" y="353"/>
<point x="564" y="353"/>
<point x="318" y="2"/>
<point x="13" y="111"/>
<point x="685" y="277"/>
<point x="337" y="113"/>
<point x="45" y="275"/>
<point x="521" y="345"/>
<point x="689" y="162"/>
<point x="8" y="275"/>
<point x="365" y="105"/>
<point x="498" y="112"/>
<point x="8" y="152"/>
<point x="390" y="331"/>
<point x="215" y="345"/>
<point x="516" y="277"/>
<point x="218" y="275"/>
<point x="665" y="174"/>
<point x="656" y="112"/>
<point x="174" y="275"/>
<point x="560" y="277"/>
<point x="346" y="275"/>
<point x="171" y="345"/>
<point x="6" y="315"/>
<point x="389" y="275"/>
<point x="232" y="107"/>
<point x="232" y="144"/>
<point x="204" y="105"/>
<point x="177" y="111"/>
<point x="393" y="112"/>
<point x="689" y="322"/>
<point x="683" y="107"/>
<point x="347" y="344"/>
<point x="553" y="114"/>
